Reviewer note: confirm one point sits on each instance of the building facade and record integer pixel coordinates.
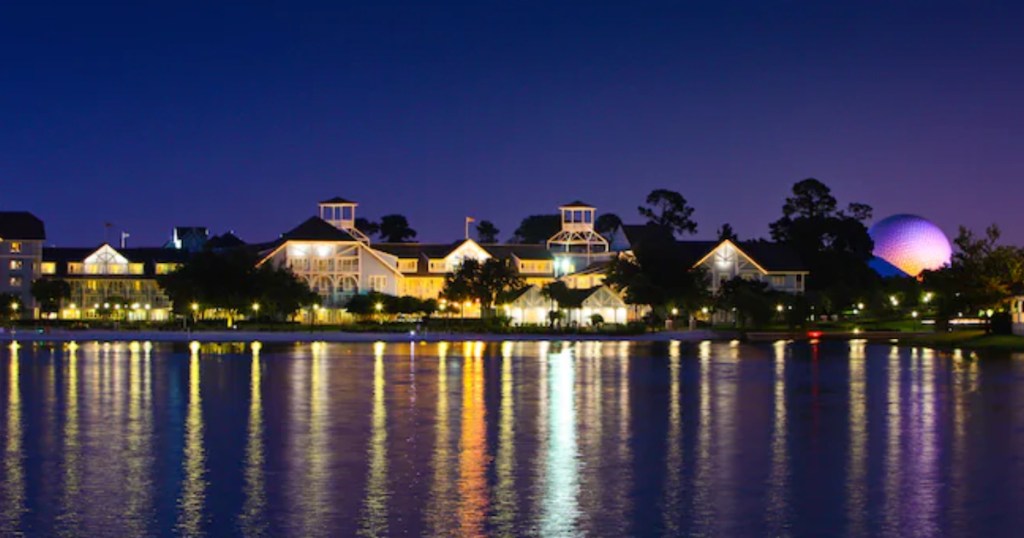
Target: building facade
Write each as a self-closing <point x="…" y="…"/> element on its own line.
<point x="21" y="247"/>
<point x="111" y="283"/>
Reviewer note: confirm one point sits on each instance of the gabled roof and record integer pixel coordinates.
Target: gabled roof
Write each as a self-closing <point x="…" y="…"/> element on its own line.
<point x="521" y="251"/>
<point x="773" y="256"/>
<point x="316" y="229"/>
<point x="337" y="200"/>
<point x="434" y="251"/>
<point x="148" y="256"/>
<point x="21" y="225"/>
<point x="224" y="241"/>
<point x="577" y="203"/>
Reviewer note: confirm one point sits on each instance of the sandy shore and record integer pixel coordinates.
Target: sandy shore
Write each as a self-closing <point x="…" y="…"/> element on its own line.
<point x="326" y="336"/>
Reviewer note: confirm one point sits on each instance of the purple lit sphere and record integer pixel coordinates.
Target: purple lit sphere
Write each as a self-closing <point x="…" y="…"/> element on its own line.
<point x="911" y="243"/>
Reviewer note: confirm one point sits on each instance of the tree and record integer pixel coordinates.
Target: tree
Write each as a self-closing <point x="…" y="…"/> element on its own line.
<point x="395" y="229"/>
<point x="670" y="210"/>
<point x="487" y="232"/>
<point x="834" y="244"/>
<point x="487" y="282"/>
<point x="50" y="293"/>
<point x="659" y="274"/>
<point x="982" y="275"/>
<point x="727" y="233"/>
<point x="367" y="226"/>
<point x="537" y="229"/>
<point x="751" y="301"/>
<point x="231" y="282"/>
<point x="607" y="223"/>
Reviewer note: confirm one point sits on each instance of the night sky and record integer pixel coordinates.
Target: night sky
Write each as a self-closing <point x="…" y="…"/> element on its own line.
<point x="241" y="118"/>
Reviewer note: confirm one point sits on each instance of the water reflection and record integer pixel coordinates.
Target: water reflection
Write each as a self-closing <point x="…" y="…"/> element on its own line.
<point x="672" y="510"/>
<point x="560" y="511"/>
<point x="441" y="492"/>
<point x="585" y="438"/>
<point x="193" y="490"/>
<point x="69" y="520"/>
<point x="374" y="520"/>
<point x="473" y="444"/>
<point x="138" y="458"/>
<point x="505" y="498"/>
<point x="893" y="447"/>
<point x="778" y="480"/>
<point x="856" y="486"/>
<point x="253" y="517"/>
<point x="13" y="486"/>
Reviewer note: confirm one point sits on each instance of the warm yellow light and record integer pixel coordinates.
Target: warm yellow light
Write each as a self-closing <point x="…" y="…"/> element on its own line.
<point x="779" y="308"/>
<point x="860" y="306"/>
<point x="379" y="307"/>
<point x="195" y="306"/>
<point x="147" y="306"/>
<point x="256" y="307"/>
<point x="135" y="306"/>
<point x="914" y="314"/>
<point x="675" y="311"/>
<point x="14" y="306"/>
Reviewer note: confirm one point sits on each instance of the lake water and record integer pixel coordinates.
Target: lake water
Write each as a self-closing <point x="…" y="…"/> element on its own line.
<point x="599" y="439"/>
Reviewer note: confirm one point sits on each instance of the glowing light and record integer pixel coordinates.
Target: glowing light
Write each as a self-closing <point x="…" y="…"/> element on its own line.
<point x="911" y="243"/>
<point x="379" y="306"/>
<point x="195" y="306"/>
<point x="255" y="307"/>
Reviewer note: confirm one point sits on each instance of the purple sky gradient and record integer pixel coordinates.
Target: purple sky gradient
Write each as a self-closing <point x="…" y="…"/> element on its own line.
<point x="241" y="118"/>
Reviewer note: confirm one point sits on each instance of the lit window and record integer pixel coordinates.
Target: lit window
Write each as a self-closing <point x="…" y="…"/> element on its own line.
<point x="49" y="268"/>
<point x="378" y="282"/>
<point x="15" y="282"/>
<point x="15" y="247"/>
<point x="16" y="265"/>
<point x="135" y="268"/>
<point x="778" y="281"/>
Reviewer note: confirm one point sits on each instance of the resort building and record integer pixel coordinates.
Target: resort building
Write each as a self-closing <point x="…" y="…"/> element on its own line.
<point x="532" y="307"/>
<point x="334" y="258"/>
<point x="775" y="264"/>
<point x="110" y="283"/>
<point x="21" y="246"/>
<point x="1017" y="315"/>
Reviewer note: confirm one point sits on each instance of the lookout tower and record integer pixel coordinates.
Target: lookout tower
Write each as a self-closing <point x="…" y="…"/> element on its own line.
<point x="577" y="235"/>
<point x="341" y="214"/>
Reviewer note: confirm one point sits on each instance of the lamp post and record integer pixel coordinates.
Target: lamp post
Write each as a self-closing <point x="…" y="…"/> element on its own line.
<point x="379" y="307"/>
<point x="255" y="310"/>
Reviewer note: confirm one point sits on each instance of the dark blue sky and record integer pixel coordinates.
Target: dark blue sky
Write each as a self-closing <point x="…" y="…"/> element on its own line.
<point x="241" y="117"/>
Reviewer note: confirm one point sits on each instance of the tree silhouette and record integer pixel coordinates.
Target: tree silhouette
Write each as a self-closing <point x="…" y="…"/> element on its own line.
<point x="670" y="210"/>
<point x="487" y="232"/>
<point x="395" y="229"/>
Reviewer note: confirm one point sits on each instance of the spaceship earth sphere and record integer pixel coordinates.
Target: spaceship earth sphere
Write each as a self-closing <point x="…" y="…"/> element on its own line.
<point x="911" y="243"/>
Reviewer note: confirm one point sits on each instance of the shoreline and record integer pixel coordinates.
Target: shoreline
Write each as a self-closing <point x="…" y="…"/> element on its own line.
<point x="344" y="337"/>
<point x="105" y="335"/>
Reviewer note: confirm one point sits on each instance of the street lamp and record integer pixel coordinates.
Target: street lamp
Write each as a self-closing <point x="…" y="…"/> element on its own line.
<point x="379" y="307"/>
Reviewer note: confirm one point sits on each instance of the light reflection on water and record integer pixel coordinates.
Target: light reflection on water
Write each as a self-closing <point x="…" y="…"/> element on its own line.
<point x="552" y="439"/>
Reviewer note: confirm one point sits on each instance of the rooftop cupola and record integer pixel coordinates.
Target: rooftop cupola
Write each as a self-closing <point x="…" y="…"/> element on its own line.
<point x="341" y="214"/>
<point x="577" y="233"/>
